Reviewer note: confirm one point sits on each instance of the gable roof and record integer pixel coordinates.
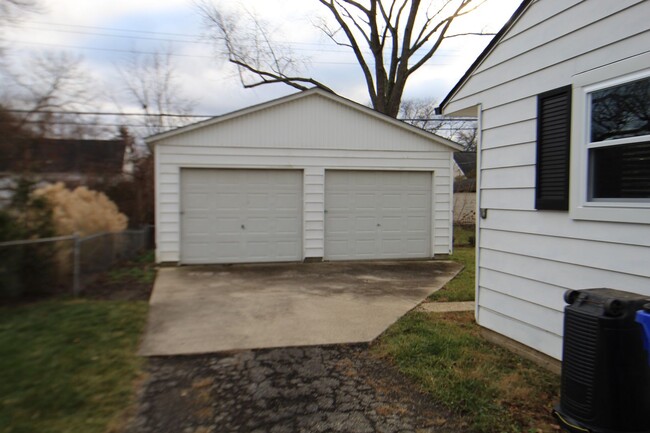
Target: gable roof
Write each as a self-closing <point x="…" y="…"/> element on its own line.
<point x="466" y="161"/>
<point x="306" y="94"/>
<point x="495" y="40"/>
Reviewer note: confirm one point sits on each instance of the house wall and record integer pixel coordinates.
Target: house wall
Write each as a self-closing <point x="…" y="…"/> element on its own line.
<point x="314" y="134"/>
<point x="528" y="258"/>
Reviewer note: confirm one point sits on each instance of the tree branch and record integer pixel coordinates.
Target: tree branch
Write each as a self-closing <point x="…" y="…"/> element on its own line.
<point x="355" y="47"/>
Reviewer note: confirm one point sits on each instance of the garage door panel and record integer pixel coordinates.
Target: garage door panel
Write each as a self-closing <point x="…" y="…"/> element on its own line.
<point x="226" y="201"/>
<point x="418" y="224"/>
<point x="286" y="225"/>
<point x="377" y="214"/>
<point x="284" y="201"/>
<point x="239" y="216"/>
<point x="366" y="224"/>
<point x="393" y="224"/>
<point x="286" y="250"/>
<point x="201" y="226"/>
<point x="258" y="201"/>
<point x="198" y="200"/>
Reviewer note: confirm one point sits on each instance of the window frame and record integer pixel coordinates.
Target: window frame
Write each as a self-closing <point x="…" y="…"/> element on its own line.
<point x="581" y="206"/>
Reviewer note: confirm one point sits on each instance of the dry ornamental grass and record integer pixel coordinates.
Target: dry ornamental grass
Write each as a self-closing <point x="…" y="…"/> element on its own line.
<point x="82" y="211"/>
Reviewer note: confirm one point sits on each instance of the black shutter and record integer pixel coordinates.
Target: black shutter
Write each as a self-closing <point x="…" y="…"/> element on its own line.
<point x="553" y="146"/>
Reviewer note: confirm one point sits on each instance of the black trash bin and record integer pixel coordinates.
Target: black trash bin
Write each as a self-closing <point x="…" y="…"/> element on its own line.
<point x="605" y="368"/>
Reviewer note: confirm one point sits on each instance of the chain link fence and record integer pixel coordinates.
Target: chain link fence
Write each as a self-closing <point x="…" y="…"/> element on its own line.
<point x="65" y="263"/>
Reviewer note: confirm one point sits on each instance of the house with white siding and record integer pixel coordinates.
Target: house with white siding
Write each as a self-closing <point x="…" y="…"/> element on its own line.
<point x="311" y="176"/>
<point x="562" y="95"/>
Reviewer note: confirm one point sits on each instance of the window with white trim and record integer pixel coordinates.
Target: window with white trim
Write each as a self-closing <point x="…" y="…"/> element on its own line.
<point x="618" y="144"/>
<point x="610" y="136"/>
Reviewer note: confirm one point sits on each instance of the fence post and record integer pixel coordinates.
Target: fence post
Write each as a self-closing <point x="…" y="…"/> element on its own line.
<point x="76" y="277"/>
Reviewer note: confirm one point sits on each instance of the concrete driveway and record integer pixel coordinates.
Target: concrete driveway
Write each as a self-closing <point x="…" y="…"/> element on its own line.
<point x="204" y="309"/>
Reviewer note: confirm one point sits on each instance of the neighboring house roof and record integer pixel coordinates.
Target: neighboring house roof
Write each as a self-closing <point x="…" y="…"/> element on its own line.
<point x="495" y="40"/>
<point x="104" y="157"/>
<point x="466" y="161"/>
<point x="314" y="92"/>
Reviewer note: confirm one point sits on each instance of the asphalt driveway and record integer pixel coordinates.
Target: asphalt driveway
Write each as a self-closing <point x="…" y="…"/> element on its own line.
<point x="205" y="309"/>
<point x="312" y="389"/>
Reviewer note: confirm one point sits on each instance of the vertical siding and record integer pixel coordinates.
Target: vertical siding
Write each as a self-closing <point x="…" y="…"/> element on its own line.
<point x="528" y="258"/>
<point x="312" y="134"/>
<point x="314" y="212"/>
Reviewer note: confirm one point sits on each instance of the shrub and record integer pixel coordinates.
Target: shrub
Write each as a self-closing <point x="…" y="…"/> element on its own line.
<point x="26" y="269"/>
<point x="82" y="211"/>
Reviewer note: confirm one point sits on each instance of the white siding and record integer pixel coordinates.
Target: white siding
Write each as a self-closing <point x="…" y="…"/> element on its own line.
<point x="528" y="258"/>
<point x="312" y="134"/>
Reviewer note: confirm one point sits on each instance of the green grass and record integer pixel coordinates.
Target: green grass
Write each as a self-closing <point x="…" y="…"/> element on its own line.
<point x="460" y="288"/>
<point x="67" y="365"/>
<point x="493" y="389"/>
<point x="141" y="270"/>
<point x="464" y="235"/>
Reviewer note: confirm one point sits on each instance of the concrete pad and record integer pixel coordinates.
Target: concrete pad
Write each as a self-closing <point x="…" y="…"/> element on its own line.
<point x="203" y="309"/>
<point x="446" y="307"/>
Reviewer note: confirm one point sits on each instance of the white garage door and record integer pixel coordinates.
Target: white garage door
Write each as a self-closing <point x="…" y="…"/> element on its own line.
<point x="241" y="216"/>
<point x="377" y="215"/>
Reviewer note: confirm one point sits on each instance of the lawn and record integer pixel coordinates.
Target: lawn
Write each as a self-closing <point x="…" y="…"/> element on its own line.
<point x="460" y="288"/>
<point x="492" y="388"/>
<point x="68" y="365"/>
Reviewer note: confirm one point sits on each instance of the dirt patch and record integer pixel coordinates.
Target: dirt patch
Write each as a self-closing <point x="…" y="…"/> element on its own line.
<point x="127" y="281"/>
<point x="106" y="289"/>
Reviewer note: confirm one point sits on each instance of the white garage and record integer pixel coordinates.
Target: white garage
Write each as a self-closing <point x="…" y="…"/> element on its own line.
<point x="310" y="176"/>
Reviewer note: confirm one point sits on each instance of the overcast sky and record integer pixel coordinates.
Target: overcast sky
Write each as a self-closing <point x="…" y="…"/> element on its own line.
<point x="106" y="31"/>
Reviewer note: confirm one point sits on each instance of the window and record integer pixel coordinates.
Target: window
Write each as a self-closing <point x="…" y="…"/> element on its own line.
<point x="619" y="142"/>
<point x="553" y="145"/>
<point x="610" y="152"/>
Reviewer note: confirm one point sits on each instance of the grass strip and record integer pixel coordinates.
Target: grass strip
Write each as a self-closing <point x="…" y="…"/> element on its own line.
<point x="460" y="288"/>
<point x="494" y="389"/>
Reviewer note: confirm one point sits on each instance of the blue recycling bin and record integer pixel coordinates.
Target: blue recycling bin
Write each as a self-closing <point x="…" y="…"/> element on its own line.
<point x="643" y="318"/>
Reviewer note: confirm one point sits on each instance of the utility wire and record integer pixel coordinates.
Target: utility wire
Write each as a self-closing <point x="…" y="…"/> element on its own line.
<point x="106" y="113"/>
<point x="196" y="56"/>
<point x="73" y="123"/>
<point x="148" y="32"/>
<point x="187" y="41"/>
<point x="152" y="53"/>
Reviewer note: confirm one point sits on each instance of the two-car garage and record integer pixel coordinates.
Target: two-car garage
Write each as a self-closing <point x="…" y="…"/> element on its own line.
<point x="309" y="176"/>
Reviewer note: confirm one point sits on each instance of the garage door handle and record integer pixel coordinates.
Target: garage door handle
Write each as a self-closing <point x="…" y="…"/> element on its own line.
<point x="378" y="225"/>
<point x="243" y="227"/>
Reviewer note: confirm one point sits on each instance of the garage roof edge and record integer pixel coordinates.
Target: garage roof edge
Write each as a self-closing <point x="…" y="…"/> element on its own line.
<point x="306" y="93"/>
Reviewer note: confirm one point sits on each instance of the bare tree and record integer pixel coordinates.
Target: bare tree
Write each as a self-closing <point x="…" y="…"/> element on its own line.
<point x="468" y="138"/>
<point x="11" y="11"/>
<point x="390" y="40"/>
<point x="151" y="82"/>
<point x="421" y="113"/>
<point x="46" y="93"/>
